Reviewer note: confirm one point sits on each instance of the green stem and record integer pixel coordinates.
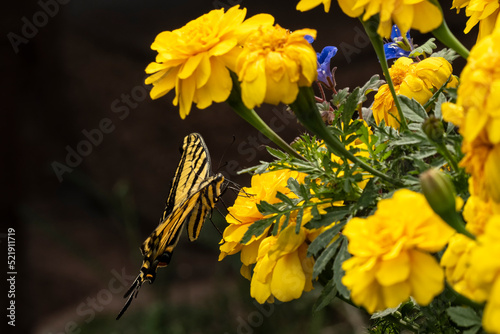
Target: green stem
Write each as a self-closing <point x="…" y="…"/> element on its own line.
<point x="378" y="46"/>
<point x="254" y="119"/>
<point x="445" y="36"/>
<point x="443" y="150"/>
<point x="308" y="114"/>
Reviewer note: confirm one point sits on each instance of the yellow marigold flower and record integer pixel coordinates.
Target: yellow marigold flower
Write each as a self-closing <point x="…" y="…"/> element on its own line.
<point x="485" y="273"/>
<point x="478" y="100"/>
<point x="416" y="14"/>
<point x="479" y="91"/>
<point x="283" y="270"/>
<point x="456" y="258"/>
<point x="195" y="58"/>
<point x="305" y="5"/>
<point x="244" y="212"/>
<point x="483" y="11"/>
<point x="274" y="63"/>
<point x="456" y="262"/>
<point x="390" y="253"/>
<point x="413" y="80"/>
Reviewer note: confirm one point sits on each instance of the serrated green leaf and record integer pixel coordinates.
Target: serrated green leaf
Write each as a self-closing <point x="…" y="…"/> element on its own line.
<point x="276" y="153"/>
<point x="384" y="313"/>
<point x="350" y="106"/>
<point x="256" y="229"/>
<point x="328" y="293"/>
<point x="300" y="214"/>
<point x="463" y="316"/>
<point x="265" y="208"/>
<point x="449" y="54"/>
<point x="334" y="215"/>
<point x="322" y="241"/>
<point x="338" y="272"/>
<point x="437" y="109"/>
<point x="427" y="48"/>
<point x="412" y="110"/>
<point x="368" y="196"/>
<point x="340" y="97"/>
<point x="325" y="257"/>
<point x="294" y="186"/>
<point x="284" y="198"/>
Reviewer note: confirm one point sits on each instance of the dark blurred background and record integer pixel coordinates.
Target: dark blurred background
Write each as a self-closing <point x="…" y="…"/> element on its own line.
<point x="79" y="222"/>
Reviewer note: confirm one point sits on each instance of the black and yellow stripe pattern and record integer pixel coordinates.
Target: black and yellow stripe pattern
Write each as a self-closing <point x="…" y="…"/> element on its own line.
<point x="193" y="194"/>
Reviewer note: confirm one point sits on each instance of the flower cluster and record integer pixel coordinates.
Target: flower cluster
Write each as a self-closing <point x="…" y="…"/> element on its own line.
<point x="476" y="114"/>
<point x="420" y="14"/>
<point x="281" y="267"/>
<point x="414" y="80"/>
<point x="343" y="203"/>
<point x="391" y="258"/>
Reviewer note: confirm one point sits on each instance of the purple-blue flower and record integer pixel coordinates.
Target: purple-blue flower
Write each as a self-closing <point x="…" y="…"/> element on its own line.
<point x="324" y="71"/>
<point x="393" y="49"/>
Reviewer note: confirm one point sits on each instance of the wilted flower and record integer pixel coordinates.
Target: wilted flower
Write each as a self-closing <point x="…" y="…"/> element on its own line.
<point x="390" y="253"/>
<point x="274" y="63"/>
<point x="195" y="58"/>
<point x="413" y="80"/>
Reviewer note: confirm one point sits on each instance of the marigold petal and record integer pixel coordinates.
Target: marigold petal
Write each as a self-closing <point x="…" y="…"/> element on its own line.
<point x="427" y="277"/>
<point x="260" y="291"/>
<point x="394" y="271"/>
<point x="288" y="279"/>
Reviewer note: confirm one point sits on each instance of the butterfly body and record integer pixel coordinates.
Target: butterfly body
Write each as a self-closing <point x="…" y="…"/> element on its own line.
<point x="193" y="194"/>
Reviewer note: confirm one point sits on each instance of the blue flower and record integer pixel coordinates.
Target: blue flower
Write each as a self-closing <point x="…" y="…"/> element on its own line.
<point x="324" y="72"/>
<point x="393" y="49"/>
<point x="309" y="38"/>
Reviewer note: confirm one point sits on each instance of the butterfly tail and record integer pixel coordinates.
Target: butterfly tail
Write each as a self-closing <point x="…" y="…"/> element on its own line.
<point x="131" y="293"/>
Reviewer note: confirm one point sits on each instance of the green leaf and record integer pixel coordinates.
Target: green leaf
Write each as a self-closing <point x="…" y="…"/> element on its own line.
<point x="437" y="109"/>
<point x="384" y="313"/>
<point x="336" y="214"/>
<point x="276" y="153"/>
<point x="285" y="199"/>
<point x="369" y="195"/>
<point x="300" y="214"/>
<point x="350" y="106"/>
<point x="373" y="84"/>
<point x="463" y="316"/>
<point x="322" y="241"/>
<point x="256" y="229"/>
<point x="340" y="97"/>
<point x="338" y="272"/>
<point x="412" y="110"/>
<point x="427" y="47"/>
<point x="325" y="257"/>
<point x="266" y="208"/>
<point x="328" y="293"/>
<point x="473" y="330"/>
<point x="449" y="54"/>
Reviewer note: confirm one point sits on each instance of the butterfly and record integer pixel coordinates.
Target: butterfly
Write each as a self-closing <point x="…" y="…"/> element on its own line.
<point x="193" y="195"/>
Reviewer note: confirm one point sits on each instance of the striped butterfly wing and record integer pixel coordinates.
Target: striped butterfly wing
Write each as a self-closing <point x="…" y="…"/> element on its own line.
<point x="193" y="195"/>
<point x="193" y="168"/>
